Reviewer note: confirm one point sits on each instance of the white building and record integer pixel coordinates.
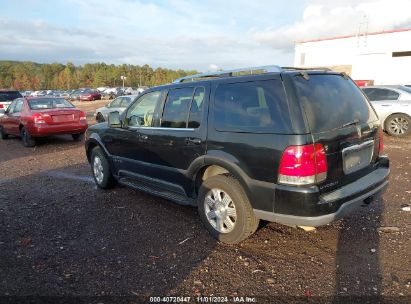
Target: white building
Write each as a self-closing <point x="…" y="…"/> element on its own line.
<point x="380" y="57"/>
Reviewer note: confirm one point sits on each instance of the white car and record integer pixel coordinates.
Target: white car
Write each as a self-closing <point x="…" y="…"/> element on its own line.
<point x="393" y="106"/>
<point x="119" y="104"/>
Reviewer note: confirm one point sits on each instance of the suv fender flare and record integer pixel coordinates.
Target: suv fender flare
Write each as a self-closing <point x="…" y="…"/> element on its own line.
<point x="228" y="165"/>
<point x="93" y="141"/>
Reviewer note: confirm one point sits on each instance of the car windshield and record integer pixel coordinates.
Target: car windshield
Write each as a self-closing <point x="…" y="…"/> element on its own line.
<point x="49" y="103"/>
<point x="9" y="96"/>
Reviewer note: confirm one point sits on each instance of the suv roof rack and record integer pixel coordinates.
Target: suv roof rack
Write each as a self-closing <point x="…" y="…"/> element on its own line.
<point x="230" y="73"/>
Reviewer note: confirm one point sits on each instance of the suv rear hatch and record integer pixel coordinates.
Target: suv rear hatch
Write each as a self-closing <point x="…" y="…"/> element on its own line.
<point x="340" y="119"/>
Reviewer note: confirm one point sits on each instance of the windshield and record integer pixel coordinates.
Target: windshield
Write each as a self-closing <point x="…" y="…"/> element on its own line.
<point x="49" y="103"/>
<point x="9" y="96"/>
<point x="332" y="102"/>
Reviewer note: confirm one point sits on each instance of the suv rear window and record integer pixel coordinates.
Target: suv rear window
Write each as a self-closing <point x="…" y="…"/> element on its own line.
<point x="253" y="107"/>
<point x="9" y="96"/>
<point x="331" y="101"/>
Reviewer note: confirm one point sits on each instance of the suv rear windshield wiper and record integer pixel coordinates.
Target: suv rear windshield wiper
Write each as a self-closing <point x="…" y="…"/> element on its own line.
<point x="354" y="122"/>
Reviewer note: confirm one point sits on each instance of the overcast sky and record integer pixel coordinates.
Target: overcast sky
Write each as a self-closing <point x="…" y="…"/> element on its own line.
<point x="181" y="33"/>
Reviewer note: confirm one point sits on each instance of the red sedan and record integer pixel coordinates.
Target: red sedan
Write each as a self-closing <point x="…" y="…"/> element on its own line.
<point x="90" y="95"/>
<point x="33" y="117"/>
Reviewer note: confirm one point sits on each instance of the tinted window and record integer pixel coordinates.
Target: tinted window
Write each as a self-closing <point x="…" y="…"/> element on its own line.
<point x="258" y="107"/>
<point x="177" y="107"/>
<point x="141" y="113"/>
<point x="9" y="96"/>
<point x="196" y="109"/>
<point x="49" y="103"/>
<point x="330" y="101"/>
<point x="375" y="94"/>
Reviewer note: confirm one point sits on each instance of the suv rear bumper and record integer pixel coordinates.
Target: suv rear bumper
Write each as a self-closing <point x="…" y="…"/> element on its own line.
<point x="347" y="198"/>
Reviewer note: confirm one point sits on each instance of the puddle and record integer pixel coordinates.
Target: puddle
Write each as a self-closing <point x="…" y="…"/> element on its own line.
<point x="65" y="175"/>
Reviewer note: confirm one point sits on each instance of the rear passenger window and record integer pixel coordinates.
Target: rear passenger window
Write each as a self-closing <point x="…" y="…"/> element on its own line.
<point x="254" y="107"/>
<point x="375" y="94"/>
<point x="183" y="108"/>
<point x="19" y="106"/>
<point x="196" y="109"/>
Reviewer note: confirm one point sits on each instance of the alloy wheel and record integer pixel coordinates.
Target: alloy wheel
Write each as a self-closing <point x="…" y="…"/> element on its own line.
<point x="399" y="125"/>
<point x="98" y="169"/>
<point x="220" y="210"/>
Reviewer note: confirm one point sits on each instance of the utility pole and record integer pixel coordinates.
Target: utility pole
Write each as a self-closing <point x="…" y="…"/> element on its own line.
<point x="123" y="78"/>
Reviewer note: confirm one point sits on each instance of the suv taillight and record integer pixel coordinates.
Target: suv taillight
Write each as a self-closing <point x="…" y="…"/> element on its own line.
<point x="303" y="165"/>
<point x="1" y="106"/>
<point x="381" y="141"/>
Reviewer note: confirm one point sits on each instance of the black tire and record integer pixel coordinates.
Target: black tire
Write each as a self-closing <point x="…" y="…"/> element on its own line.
<point x="398" y="125"/>
<point x="100" y="118"/>
<point x="26" y="138"/>
<point x="3" y="135"/>
<point x="245" y="222"/>
<point x="108" y="181"/>
<point x="77" y="136"/>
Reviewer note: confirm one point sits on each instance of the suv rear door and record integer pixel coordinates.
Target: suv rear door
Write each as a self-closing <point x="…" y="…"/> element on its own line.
<point x="179" y="136"/>
<point x="340" y="118"/>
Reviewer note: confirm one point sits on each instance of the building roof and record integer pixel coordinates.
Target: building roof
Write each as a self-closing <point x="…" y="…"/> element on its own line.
<point x="351" y="36"/>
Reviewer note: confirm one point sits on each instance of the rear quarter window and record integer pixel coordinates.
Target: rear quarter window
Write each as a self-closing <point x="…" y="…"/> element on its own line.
<point x="331" y="101"/>
<point x="252" y="107"/>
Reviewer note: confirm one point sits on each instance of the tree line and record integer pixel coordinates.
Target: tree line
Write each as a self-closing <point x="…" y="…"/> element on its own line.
<point x="29" y="75"/>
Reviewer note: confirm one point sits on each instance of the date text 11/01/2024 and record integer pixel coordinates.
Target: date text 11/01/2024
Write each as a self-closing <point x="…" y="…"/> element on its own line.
<point x="203" y="299"/>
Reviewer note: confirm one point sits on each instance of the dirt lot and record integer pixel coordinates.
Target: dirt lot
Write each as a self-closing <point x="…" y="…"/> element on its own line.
<point x="61" y="236"/>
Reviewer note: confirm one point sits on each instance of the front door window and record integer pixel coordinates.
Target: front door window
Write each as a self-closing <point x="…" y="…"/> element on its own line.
<point x="141" y="113"/>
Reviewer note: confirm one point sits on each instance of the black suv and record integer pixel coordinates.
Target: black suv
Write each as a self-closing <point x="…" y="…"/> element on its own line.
<point x="298" y="147"/>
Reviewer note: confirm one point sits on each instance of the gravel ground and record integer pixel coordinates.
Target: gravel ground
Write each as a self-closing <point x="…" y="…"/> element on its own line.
<point x="61" y="236"/>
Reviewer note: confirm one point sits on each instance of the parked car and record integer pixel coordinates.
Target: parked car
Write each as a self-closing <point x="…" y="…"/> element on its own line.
<point x="112" y="93"/>
<point x="119" y="104"/>
<point x="66" y="94"/>
<point x="25" y="93"/>
<point x="75" y="95"/>
<point x="298" y="147"/>
<point x="6" y="97"/>
<point x="39" y="93"/>
<point x="90" y="95"/>
<point x="33" y="117"/>
<point x="393" y="106"/>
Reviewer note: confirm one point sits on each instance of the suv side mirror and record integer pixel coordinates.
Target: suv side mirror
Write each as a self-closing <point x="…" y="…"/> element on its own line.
<point x="113" y="119"/>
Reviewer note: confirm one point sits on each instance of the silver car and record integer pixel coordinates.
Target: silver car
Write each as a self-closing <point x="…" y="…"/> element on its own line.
<point x="393" y="106"/>
<point x="119" y="104"/>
